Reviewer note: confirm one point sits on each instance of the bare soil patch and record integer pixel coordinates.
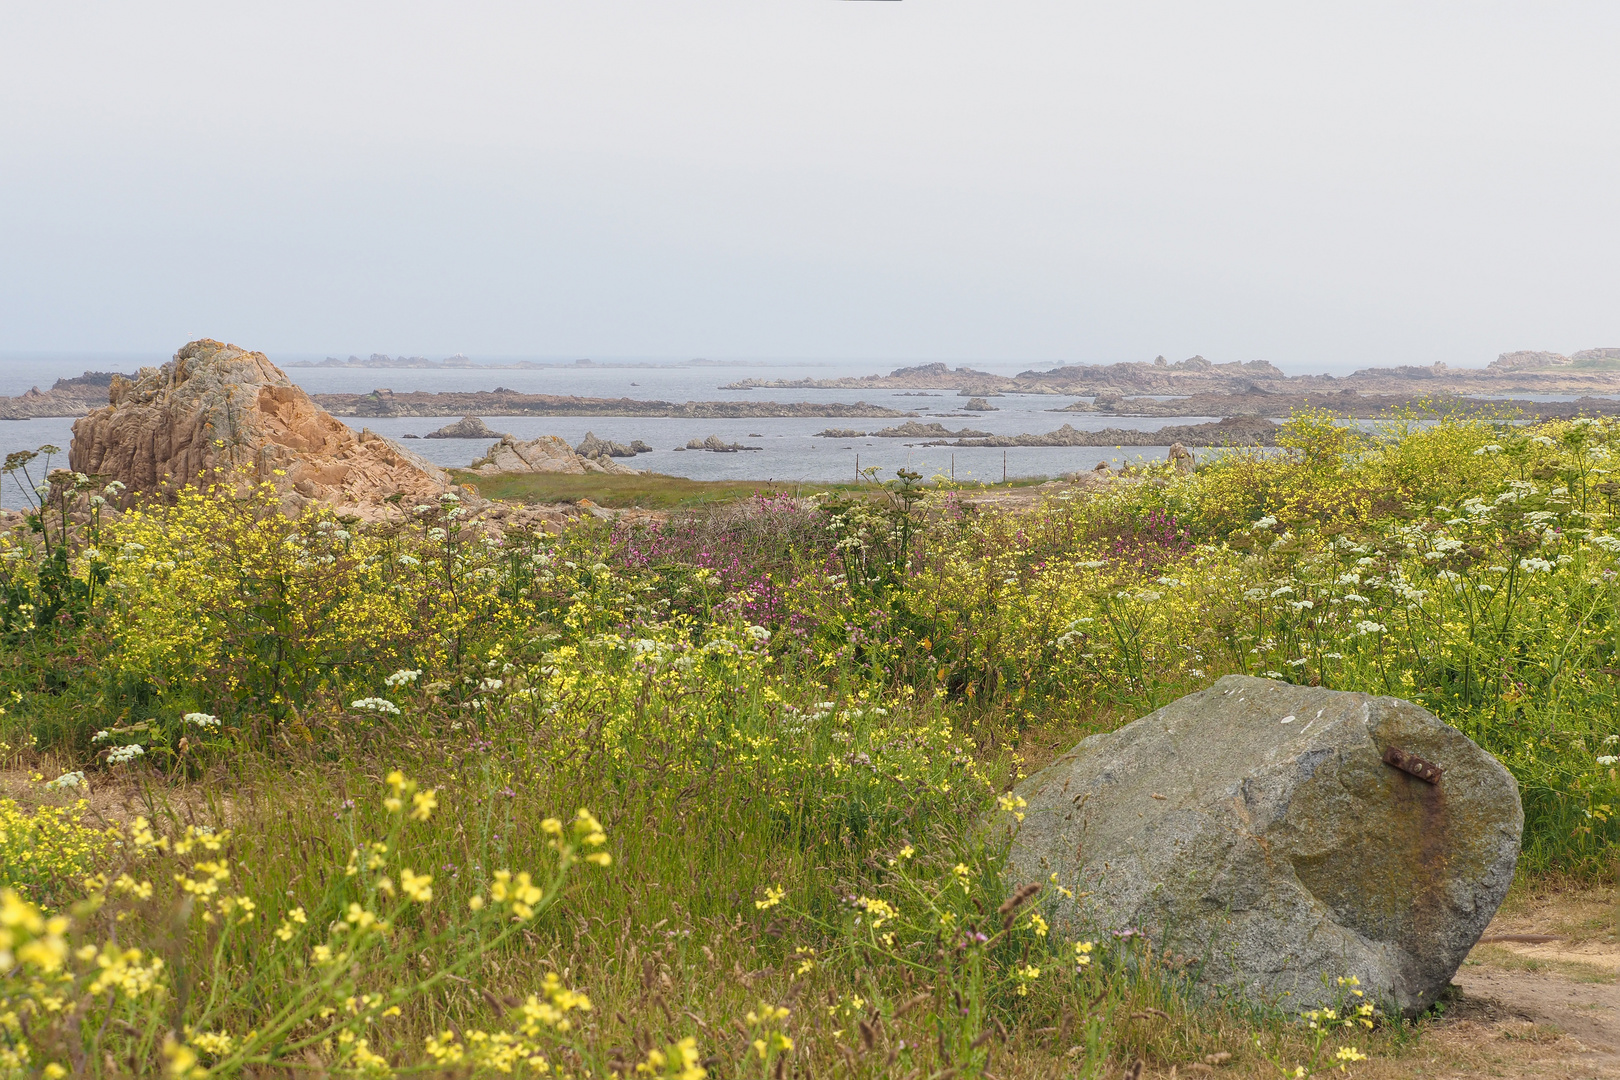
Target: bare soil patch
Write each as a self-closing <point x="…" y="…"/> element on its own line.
<point x="1527" y="1007"/>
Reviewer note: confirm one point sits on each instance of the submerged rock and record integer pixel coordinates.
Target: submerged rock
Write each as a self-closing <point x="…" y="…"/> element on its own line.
<point x="217" y="411"/>
<point x="1256" y="828"/>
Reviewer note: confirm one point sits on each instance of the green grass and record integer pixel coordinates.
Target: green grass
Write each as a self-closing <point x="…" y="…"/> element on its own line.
<point x="656" y="491"/>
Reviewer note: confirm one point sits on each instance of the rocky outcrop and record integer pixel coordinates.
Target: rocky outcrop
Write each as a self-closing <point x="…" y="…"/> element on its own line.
<point x="1282" y="837"/>
<point x="1233" y="431"/>
<point x="840" y="433"/>
<point x="716" y="445"/>
<point x="66" y="397"/>
<point x="468" y="427"/>
<point x="1528" y="360"/>
<point x="913" y="429"/>
<point x="219" y="411"/>
<point x="592" y="447"/>
<point x="1608" y="356"/>
<point x="547" y="454"/>
<point x="978" y="404"/>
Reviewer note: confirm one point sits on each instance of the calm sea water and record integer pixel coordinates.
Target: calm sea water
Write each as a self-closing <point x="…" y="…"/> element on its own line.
<point x="790" y="450"/>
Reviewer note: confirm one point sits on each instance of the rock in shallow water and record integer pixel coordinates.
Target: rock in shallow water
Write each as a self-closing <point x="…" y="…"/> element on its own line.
<point x="1256" y="827"/>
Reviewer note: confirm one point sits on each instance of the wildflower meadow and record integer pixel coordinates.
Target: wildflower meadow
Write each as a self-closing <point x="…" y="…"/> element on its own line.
<point x="708" y="797"/>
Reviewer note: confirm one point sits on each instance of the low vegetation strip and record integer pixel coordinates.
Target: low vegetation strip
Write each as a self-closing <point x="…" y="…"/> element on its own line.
<point x="785" y="715"/>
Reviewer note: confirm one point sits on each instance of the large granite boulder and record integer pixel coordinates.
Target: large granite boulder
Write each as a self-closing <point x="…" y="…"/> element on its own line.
<point x="217" y="411"/>
<point x="1257" y="828"/>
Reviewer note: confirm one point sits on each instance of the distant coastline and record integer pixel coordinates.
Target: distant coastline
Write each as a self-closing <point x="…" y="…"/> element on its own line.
<point x="459" y="362"/>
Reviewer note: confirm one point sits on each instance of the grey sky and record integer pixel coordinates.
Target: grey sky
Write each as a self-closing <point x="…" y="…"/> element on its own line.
<point x="1324" y="186"/>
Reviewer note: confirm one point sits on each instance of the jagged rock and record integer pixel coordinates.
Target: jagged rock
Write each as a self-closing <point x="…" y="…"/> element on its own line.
<point x="1255" y="827"/>
<point x="547" y="454"/>
<point x="978" y="404"/>
<point x="468" y="427"/>
<point x="1528" y="360"/>
<point x="66" y="397"/>
<point x="640" y="447"/>
<point x="216" y="410"/>
<point x="592" y="447"/>
<point x="912" y="429"/>
<point x="714" y="444"/>
<point x="840" y="433"/>
<point x="1181" y="458"/>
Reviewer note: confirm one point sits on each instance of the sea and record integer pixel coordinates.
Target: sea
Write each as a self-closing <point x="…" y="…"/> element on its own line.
<point x="789" y="450"/>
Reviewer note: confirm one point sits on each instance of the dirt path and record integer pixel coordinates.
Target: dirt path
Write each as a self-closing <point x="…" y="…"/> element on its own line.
<point x="1539" y="997"/>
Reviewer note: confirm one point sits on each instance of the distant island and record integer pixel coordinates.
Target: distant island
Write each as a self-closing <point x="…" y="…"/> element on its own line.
<point x="1593" y="371"/>
<point x="1191" y="387"/>
<point x="460" y="362"/>
<point x="504" y="402"/>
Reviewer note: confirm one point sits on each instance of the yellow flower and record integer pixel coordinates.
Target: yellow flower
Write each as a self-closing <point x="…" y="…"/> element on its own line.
<point x="773" y="896"/>
<point x="418" y="887"/>
<point x="423" y="803"/>
<point x="182" y="1059"/>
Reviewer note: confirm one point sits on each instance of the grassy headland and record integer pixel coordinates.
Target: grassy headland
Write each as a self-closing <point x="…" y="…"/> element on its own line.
<point x="364" y="754"/>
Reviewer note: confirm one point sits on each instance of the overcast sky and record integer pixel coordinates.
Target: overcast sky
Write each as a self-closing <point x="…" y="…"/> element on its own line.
<point x="1324" y="186"/>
